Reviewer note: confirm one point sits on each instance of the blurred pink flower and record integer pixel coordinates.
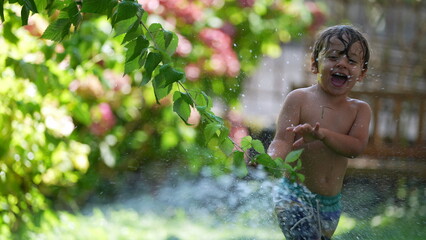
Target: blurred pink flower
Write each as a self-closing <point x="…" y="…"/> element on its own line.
<point x="318" y="16"/>
<point x="232" y="64"/>
<point x="238" y="130"/>
<point x="229" y="29"/>
<point x="215" y="39"/>
<point x="90" y="87"/>
<point x="191" y="13"/>
<point x="192" y="72"/>
<point x="247" y="3"/>
<point x="103" y="119"/>
<point x="118" y="82"/>
<point x="188" y="11"/>
<point x="211" y="3"/>
<point x="184" y="47"/>
<point x="218" y="64"/>
<point x="149" y="5"/>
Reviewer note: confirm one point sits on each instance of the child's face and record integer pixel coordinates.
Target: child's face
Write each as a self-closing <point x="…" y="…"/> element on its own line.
<point x="337" y="72"/>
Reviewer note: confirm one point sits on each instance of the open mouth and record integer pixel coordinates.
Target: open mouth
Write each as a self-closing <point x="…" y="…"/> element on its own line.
<point x="339" y="79"/>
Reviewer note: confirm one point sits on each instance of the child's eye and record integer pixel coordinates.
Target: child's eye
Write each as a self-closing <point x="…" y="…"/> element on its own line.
<point x="332" y="57"/>
<point x="352" y="61"/>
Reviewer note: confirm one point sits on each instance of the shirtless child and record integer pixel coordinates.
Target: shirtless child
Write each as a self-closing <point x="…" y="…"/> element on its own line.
<point x="330" y="126"/>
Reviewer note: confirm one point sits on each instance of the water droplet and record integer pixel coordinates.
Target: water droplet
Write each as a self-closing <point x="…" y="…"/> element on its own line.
<point x="30" y="155"/>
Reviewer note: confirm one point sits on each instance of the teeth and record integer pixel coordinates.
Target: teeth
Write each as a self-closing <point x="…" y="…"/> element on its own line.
<point x="341" y="75"/>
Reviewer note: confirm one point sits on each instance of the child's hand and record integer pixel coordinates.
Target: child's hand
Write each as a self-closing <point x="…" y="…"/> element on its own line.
<point x="308" y="133"/>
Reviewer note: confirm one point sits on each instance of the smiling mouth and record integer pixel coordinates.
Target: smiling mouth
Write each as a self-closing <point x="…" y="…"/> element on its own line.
<point x="339" y="79"/>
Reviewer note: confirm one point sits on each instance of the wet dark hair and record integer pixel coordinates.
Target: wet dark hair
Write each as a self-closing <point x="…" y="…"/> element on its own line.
<point x="352" y="36"/>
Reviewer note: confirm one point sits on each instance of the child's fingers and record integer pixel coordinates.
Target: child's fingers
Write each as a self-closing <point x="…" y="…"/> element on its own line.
<point x="298" y="143"/>
<point x="298" y="128"/>
<point x="317" y="126"/>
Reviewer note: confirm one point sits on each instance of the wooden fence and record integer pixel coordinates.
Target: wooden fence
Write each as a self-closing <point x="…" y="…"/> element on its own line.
<point x="397" y="134"/>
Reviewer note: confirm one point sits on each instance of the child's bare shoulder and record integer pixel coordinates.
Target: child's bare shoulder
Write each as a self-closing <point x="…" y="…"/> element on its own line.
<point x="359" y="104"/>
<point x="299" y="93"/>
<point x="295" y="98"/>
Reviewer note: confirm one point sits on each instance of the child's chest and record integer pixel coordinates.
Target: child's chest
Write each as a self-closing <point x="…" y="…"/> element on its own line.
<point x="338" y="118"/>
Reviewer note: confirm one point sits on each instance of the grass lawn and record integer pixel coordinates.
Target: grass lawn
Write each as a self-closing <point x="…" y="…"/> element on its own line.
<point x="221" y="209"/>
<point x="128" y="224"/>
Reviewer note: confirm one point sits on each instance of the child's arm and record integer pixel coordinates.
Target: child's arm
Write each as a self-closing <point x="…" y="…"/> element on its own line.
<point x="289" y="116"/>
<point x="350" y="145"/>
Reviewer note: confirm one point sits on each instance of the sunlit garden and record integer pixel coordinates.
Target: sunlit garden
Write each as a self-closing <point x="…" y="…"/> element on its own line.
<point x="123" y="120"/>
<point x="228" y="208"/>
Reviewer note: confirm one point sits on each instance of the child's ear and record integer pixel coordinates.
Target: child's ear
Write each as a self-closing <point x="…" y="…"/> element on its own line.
<point x="363" y="74"/>
<point x="314" y="66"/>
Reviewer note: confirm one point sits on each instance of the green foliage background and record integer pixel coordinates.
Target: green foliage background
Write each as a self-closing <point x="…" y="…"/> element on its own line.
<point x="89" y="93"/>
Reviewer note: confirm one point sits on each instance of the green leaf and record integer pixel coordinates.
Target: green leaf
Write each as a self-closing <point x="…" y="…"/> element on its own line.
<point x="238" y="158"/>
<point x="25" y="12"/>
<point x="240" y="167"/>
<point x="288" y="167"/>
<point x="93" y="6"/>
<point x="30" y="4"/>
<point x="134" y="32"/>
<point x="131" y="66"/>
<point x="279" y="162"/>
<point x="126" y="9"/>
<point x="246" y="143"/>
<point x="227" y="146"/>
<point x="124" y="26"/>
<point x="9" y="34"/>
<point x="168" y="36"/>
<point x="276" y="173"/>
<point x="74" y="14"/>
<point x="184" y="96"/>
<point x="301" y="177"/>
<point x="293" y="177"/>
<point x="41" y="4"/>
<point x="293" y="156"/>
<point x="210" y="116"/>
<point x="224" y="133"/>
<point x="57" y="30"/>
<point x="211" y="130"/>
<point x="151" y="63"/>
<point x="136" y="48"/>
<point x="164" y="41"/>
<point x="207" y="115"/>
<point x="258" y="146"/>
<point x="181" y="105"/>
<point x="2" y="10"/>
<point x="171" y="75"/>
<point x="172" y="43"/>
<point x="265" y="160"/>
<point x="203" y="100"/>
<point x="160" y="92"/>
<point x="81" y="113"/>
<point x="154" y="32"/>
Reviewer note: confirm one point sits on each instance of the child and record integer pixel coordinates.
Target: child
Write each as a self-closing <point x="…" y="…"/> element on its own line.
<point x="330" y="127"/>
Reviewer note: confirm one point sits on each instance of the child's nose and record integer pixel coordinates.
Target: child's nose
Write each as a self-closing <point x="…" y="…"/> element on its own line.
<point x="343" y="61"/>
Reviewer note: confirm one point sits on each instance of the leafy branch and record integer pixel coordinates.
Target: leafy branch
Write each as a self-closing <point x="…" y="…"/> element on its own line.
<point x="150" y="50"/>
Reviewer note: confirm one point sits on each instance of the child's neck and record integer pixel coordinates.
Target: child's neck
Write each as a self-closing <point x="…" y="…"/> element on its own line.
<point x="332" y="98"/>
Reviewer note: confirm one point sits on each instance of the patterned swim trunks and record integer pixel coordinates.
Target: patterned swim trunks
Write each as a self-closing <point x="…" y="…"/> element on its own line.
<point x="303" y="214"/>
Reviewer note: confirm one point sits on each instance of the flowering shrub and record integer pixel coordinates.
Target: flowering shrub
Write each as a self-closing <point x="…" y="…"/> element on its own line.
<point x="72" y="122"/>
